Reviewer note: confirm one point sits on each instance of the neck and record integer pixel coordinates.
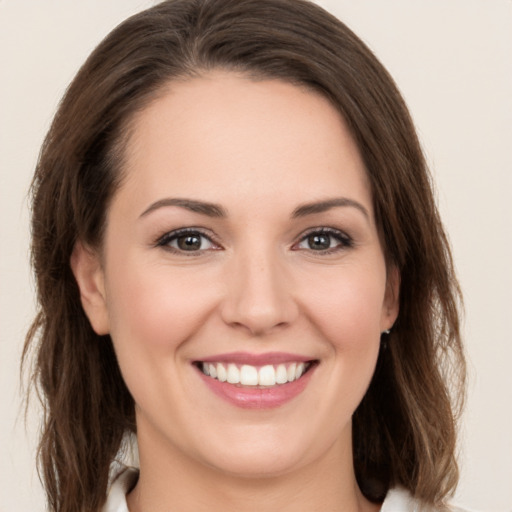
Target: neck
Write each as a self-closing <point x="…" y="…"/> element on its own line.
<point x="173" y="481"/>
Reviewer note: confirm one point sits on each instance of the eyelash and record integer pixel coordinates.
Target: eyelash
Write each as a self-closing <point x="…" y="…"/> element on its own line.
<point x="344" y="240"/>
<point x="165" y="241"/>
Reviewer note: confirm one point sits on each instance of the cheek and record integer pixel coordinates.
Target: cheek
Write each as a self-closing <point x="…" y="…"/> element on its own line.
<point x="348" y="307"/>
<point x="153" y="309"/>
<point x="153" y="314"/>
<point x="346" y="312"/>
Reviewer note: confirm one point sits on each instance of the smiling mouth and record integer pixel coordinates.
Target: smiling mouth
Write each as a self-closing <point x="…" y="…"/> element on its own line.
<point x="269" y="375"/>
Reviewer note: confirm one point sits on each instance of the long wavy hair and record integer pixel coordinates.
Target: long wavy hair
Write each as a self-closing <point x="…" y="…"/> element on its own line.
<point x="404" y="430"/>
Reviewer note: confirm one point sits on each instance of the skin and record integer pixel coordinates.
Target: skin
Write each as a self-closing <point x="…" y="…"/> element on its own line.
<point x="259" y="150"/>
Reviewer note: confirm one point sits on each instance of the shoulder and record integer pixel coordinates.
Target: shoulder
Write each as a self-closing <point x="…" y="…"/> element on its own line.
<point x="121" y="484"/>
<point x="400" y="500"/>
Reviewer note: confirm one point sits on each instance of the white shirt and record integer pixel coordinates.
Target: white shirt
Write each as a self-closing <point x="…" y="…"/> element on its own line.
<point x="397" y="500"/>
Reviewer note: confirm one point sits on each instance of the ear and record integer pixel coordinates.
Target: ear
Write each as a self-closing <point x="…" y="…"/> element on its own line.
<point x="86" y="266"/>
<point x="391" y="306"/>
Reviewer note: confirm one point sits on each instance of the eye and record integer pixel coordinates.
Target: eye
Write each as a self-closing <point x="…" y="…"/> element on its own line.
<point x="186" y="240"/>
<point x="324" y="240"/>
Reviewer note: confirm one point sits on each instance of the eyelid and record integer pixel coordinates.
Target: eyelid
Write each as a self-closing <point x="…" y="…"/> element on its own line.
<point x="164" y="240"/>
<point x="346" y="241"/>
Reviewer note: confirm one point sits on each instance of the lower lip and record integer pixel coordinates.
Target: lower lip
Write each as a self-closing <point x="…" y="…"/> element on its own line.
<point x="258" y="398"/>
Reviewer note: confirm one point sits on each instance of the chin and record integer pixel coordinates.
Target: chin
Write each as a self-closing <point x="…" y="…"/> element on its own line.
<point x="258" y="466"/>
<point x="264" y="452"/>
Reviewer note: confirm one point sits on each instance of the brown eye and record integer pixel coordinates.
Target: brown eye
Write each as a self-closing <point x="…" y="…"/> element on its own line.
<point x="190" y="241"/>
<point x="319" y="242"/>
<point x="324" y="240"/>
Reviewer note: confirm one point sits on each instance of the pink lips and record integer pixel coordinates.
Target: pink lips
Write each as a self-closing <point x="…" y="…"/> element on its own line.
<point x="257" y="397"/>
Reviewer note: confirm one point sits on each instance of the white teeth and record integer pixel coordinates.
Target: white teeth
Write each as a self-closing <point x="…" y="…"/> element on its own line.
<point x="222" y="374"/>
<point x="247" y="375"/>
<point x="290" y="374"/>
<point x="299" y="370"/>
<point x="267" y="375"/>
<point x="281" y="374"/>
<point x="233" y="374"/>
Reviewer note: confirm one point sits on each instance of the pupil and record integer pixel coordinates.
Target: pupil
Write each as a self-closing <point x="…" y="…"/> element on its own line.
<point x="189" y="242"/>
<point x="319" y="242"/>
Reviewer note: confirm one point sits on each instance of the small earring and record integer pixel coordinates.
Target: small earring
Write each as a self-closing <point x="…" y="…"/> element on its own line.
<point x="387" y="331"/>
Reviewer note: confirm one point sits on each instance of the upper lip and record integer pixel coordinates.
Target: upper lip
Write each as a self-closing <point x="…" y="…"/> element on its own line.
<point x="255" y="359"/>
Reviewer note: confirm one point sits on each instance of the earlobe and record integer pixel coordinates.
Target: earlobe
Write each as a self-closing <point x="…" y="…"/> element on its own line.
<point x="392" y="298"/>
<point x="86" y="266"/>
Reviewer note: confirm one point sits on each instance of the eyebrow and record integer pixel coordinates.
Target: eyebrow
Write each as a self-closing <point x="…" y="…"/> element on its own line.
<point x="209" y="209"/>
<point x="328" y="204"/>
<point x="215" y="210"/>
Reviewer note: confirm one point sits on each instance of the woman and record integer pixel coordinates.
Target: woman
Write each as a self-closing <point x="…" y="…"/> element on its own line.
<point x="239" y="259"/>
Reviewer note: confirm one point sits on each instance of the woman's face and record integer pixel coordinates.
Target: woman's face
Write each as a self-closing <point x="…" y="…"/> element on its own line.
<point x="242" y="244"/>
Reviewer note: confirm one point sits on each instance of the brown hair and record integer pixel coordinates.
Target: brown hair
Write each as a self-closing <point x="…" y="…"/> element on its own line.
<point x="405" y="428"/>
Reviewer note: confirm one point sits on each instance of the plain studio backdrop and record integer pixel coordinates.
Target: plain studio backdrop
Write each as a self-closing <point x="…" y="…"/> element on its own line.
<point x="452" y="60"/>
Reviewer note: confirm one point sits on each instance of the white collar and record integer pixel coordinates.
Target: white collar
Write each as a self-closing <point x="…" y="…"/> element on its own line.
<point x="121" y="485"/>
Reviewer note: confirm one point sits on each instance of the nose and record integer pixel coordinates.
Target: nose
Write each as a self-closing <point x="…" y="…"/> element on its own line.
<point x="259" y="297"/>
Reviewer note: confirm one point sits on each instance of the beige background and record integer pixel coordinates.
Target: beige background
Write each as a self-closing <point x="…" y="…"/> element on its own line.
<point x="452" y="60"/>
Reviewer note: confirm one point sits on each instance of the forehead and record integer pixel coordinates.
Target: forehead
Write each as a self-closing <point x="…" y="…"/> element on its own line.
<point x="228" y="136"/>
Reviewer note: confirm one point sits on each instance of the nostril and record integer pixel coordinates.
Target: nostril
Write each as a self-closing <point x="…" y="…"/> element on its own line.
<point x="258" y="329"/>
